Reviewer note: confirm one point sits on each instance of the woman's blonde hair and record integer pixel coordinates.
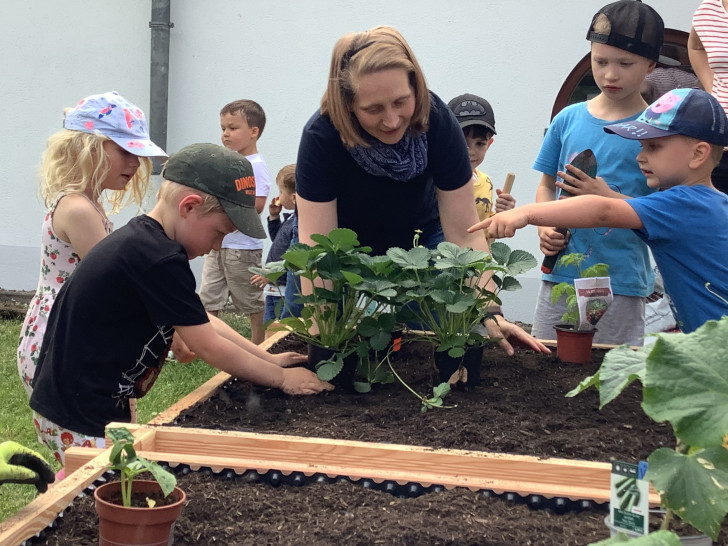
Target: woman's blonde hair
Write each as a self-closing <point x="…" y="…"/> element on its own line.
<point x="287" y="177"/>
<point x="357" y="54"/>
<point x="173" y="192"/>
<point x="74" y="161"/>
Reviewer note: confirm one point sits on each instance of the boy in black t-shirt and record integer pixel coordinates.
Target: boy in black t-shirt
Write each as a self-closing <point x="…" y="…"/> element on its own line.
<point x="110" y="329"/>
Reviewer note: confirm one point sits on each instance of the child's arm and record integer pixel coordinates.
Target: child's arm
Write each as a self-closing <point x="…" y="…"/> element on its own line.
<point x="77" y="222"/>
<point x="699" y="61"/>
<point x="550" y="240"/>
<point x="246" y="361"/>
<point x="587" y="211"/>
<point x="282" y="360"/>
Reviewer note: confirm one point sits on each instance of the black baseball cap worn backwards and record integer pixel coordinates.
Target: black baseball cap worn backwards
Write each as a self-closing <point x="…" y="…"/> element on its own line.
<point x="224" y="174"/>
<point x="629" y="25"/>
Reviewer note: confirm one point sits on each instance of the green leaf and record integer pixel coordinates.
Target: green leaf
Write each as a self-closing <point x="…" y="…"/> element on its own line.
<point x="686" y="383"/>
<point x="362" y="387"/>
<point x="592" y="380"/>
<point x="329" y="369"/>
<point x="414" y="258"/>
<point x="519" y="262"/>
<point x="658" y="538"/>
<point x="120" y="434"/>
<point x="298" y="255"/>
<point x="380" y="340"/>
<point x="510" y="284"/>
<point x="352" y="278"/>
<point x="166" y="480"/>
<point x="693" y="486"/>
<point x="500" y="252"/>
<point x="441" y="390"/>
<point x="620" y="367"/>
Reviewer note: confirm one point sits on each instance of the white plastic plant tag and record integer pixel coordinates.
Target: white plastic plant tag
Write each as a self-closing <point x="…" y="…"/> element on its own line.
<point x="629" y="504"/>
<point x="593" y="296"/>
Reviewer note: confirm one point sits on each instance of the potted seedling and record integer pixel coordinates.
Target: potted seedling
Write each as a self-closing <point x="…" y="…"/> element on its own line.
<point x="441" y="291"/>
<point x="685" y="382"/>
<point x="575" y="334"/>
<point x="133" y="511"/>
<point x="346" y="312"/>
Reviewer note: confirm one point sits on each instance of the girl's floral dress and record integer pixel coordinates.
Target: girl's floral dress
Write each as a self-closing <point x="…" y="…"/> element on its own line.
<point x="57" y="262"/>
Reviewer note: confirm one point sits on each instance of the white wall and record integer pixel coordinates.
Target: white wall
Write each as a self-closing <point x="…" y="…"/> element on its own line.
<point x="516" y="54"/>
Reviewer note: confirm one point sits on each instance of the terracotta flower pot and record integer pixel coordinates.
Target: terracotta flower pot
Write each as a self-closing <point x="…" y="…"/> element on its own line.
<point x="136" y="526"/>
<point x="573" y="345"/>
<point x="344" y="380"/>
<point x="472" y="361"/>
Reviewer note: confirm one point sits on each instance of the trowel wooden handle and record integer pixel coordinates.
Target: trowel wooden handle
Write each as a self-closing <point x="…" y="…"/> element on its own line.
<point x="510" y="177"/>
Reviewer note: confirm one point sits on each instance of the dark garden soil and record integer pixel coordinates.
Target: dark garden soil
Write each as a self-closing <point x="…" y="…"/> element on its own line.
<point x="519" y="408"/>
<point x="238" y="511"/>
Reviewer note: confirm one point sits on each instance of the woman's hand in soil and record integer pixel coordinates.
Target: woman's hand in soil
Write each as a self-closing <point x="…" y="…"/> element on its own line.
<point x="288" y="359"/>
<point x="513" y="334"/>
<point x="303" y="381"/>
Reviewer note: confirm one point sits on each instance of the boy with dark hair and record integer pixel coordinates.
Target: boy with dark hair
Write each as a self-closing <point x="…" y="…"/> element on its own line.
<point x="626" y="38"/>
<point x="112" y="323"/>
<point x="477" y="120"/>
<point x="226" y="273"/>
<point x="685" y="224"/>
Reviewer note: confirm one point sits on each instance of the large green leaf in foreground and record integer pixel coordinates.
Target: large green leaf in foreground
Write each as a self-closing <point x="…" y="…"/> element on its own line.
<point x="694" y="486"/>
<point x="686" y="383"/>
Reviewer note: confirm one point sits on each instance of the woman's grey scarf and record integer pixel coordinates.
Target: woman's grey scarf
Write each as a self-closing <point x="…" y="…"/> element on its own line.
<point x="401" y="161"/>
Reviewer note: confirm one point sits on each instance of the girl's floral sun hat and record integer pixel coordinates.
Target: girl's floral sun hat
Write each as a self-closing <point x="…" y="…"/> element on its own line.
<point x="111" y="115"/>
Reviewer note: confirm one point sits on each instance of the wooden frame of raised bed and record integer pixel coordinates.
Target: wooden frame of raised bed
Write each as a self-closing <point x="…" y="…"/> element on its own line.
<point x="241" y="451"/>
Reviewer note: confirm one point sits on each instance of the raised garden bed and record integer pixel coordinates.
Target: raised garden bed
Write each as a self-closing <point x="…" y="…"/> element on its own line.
<point x="512" y="388"/>
<point x="256" y="512"/>
<point x="519" y="408"/>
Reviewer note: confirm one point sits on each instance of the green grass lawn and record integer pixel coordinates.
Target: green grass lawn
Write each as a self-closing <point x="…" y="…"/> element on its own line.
<point x="175" y="381"/>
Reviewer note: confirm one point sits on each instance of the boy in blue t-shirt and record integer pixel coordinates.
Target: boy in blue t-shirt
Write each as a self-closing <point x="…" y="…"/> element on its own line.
<point x="685" y="224"/>
<point x="626" y="39"/>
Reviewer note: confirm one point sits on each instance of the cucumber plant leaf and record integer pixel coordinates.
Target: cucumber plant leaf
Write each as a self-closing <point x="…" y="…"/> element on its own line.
<point x="694" y="487"/>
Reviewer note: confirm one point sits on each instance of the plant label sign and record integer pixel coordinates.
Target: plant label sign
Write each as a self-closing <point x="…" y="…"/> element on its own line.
<point x="629" y="505"/>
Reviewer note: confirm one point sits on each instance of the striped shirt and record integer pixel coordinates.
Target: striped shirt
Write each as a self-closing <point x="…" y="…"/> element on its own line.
<point x="710" y="22"/>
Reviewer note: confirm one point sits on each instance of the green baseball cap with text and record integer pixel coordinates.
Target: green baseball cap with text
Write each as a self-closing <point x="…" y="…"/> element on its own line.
<point x="224" y="174"/>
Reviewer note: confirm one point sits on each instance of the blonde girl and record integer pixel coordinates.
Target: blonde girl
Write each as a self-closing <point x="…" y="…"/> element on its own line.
<point x="103" y="151"/>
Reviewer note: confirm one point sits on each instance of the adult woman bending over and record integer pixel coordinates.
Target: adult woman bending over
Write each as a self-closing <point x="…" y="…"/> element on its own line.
<point x="385" y="157"/>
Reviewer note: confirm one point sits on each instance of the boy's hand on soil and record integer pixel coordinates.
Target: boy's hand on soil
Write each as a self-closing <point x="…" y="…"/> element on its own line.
<point x="498" y="327"/>
<point x="303" y="381"/>
<point x="288" y="359"/>
<point x="18" y="464"/>
<point x="504" y="202"/>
